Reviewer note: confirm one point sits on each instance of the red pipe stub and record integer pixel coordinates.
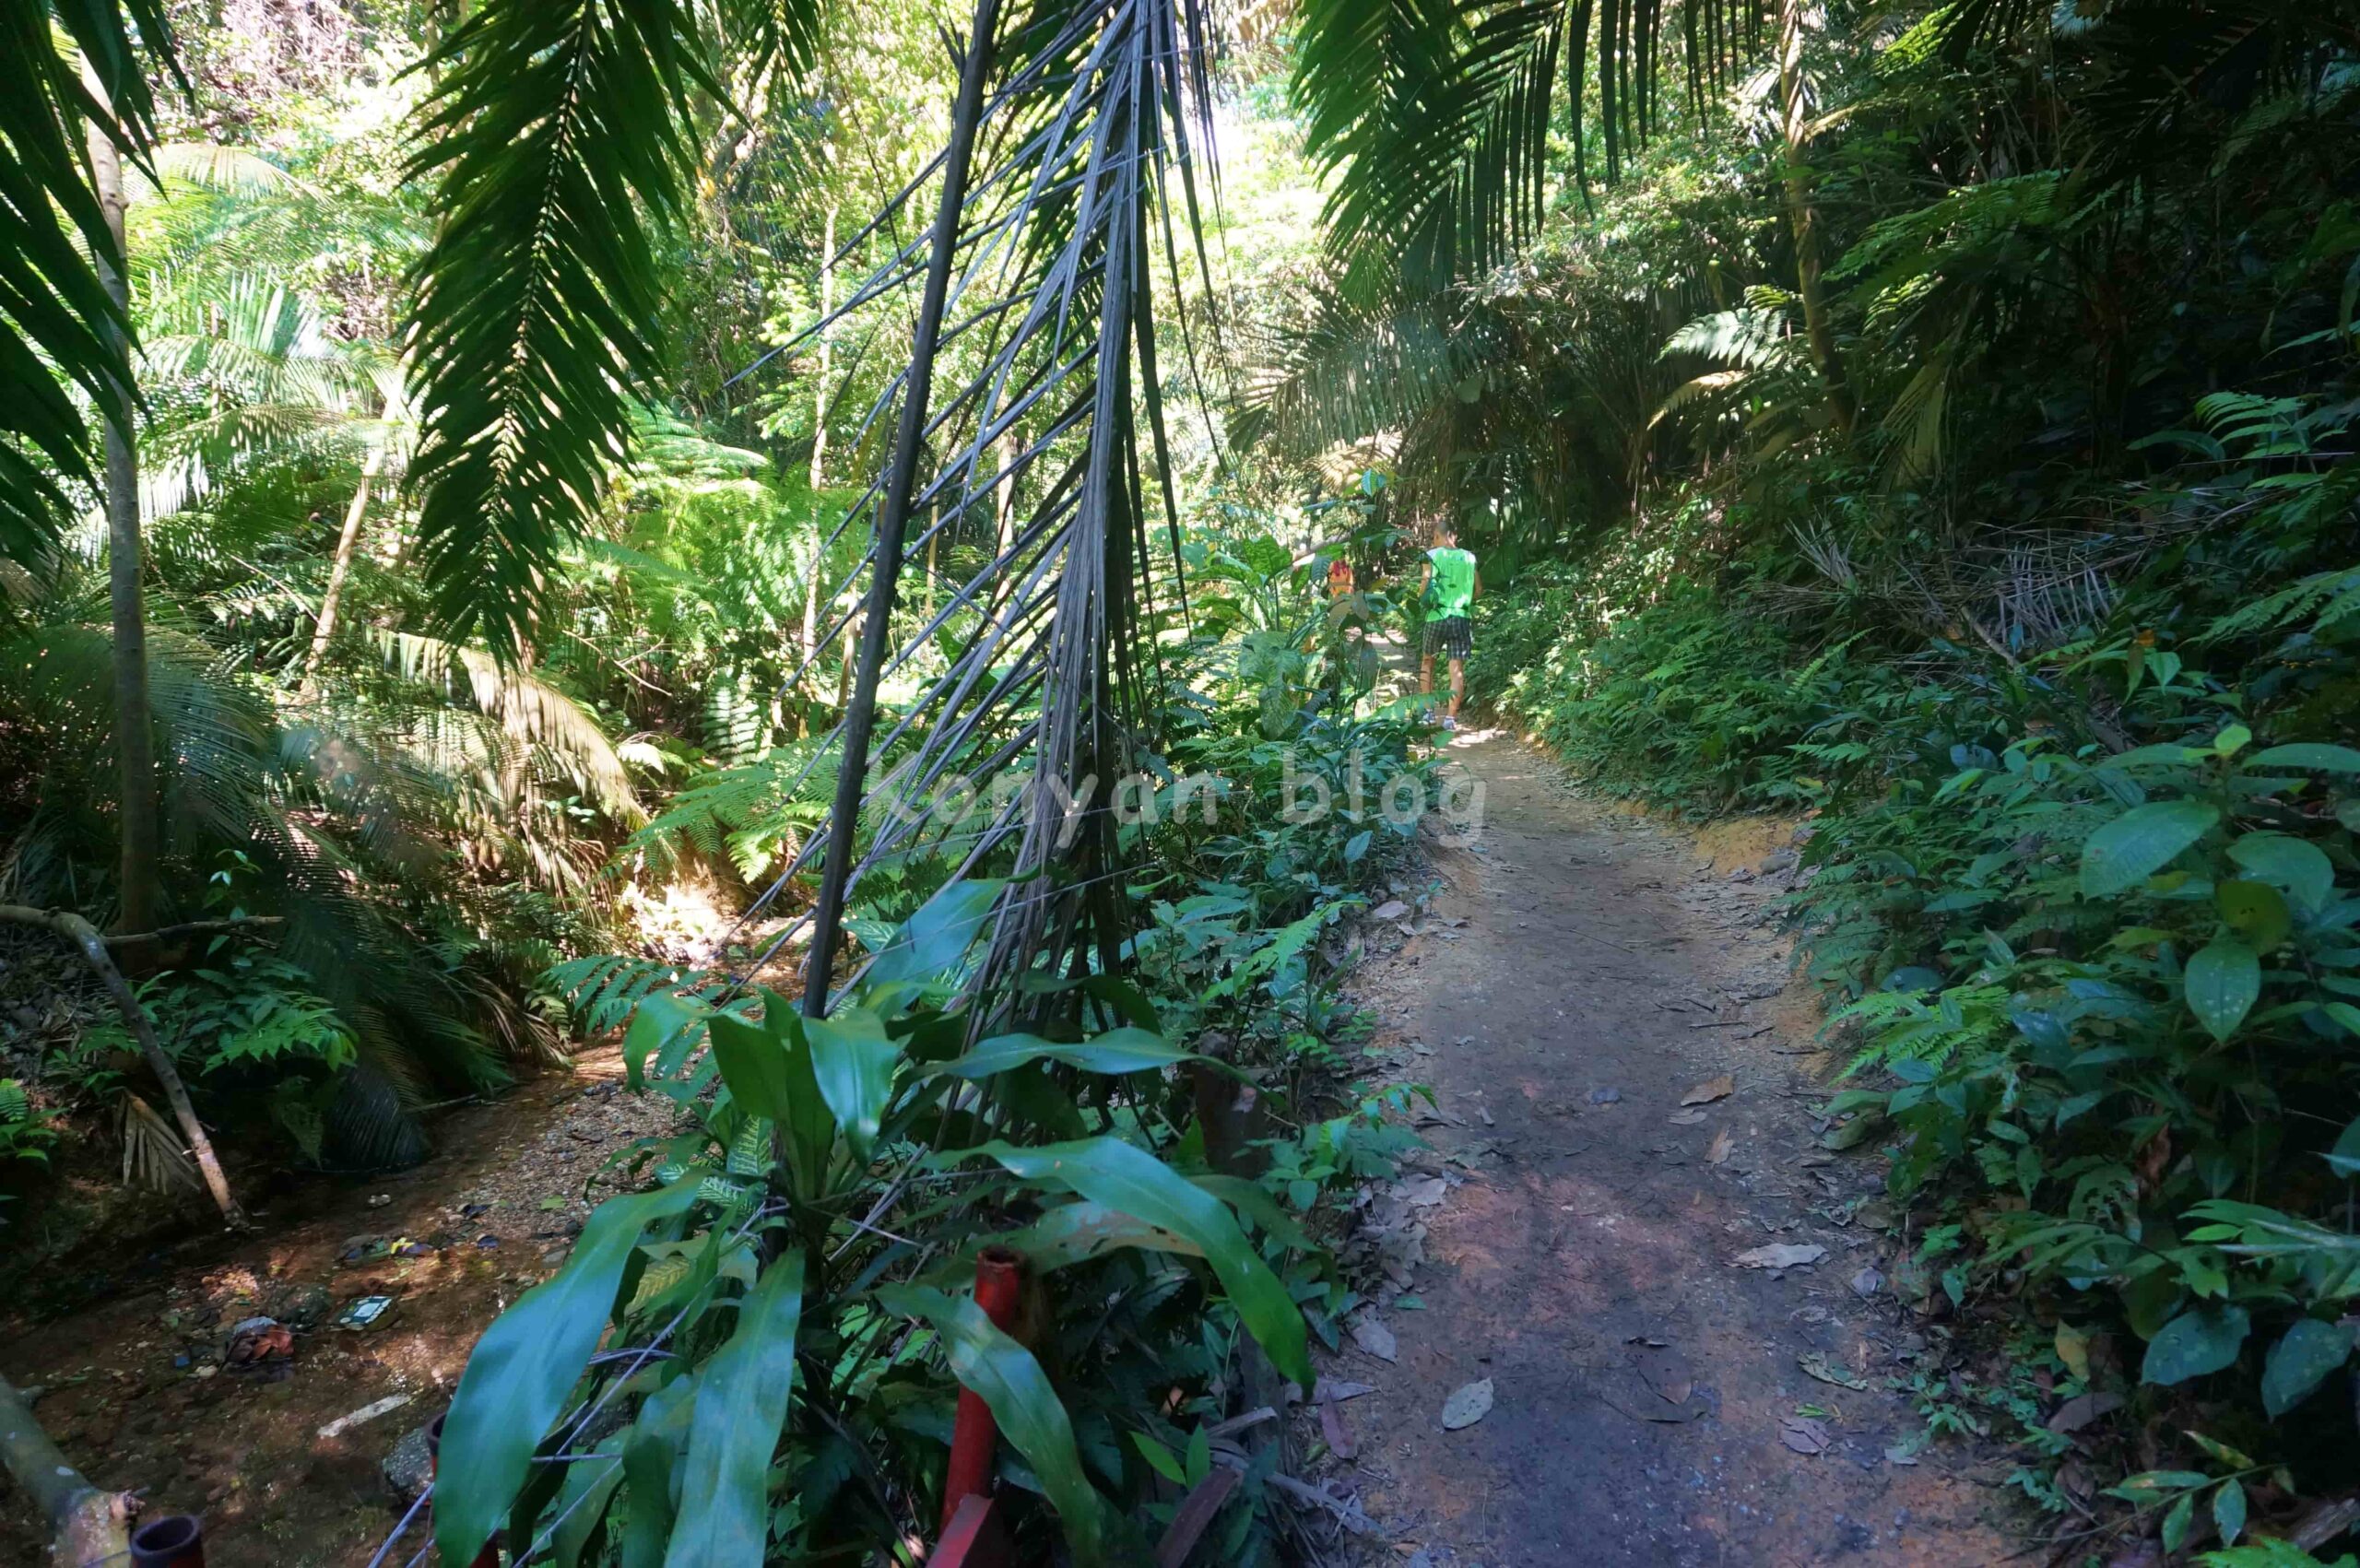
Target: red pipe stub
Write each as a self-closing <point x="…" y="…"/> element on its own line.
<point x="999" y="1279"/>
<point x="175" y="1541"/>
<point x="999" y="1276"/>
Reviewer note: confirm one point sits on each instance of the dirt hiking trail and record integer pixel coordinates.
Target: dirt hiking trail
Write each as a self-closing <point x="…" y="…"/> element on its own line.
<point x="1622" y="1076"/>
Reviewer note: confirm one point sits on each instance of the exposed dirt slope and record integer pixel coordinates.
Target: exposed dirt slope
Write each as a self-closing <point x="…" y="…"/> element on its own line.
<point x="1579" y="973"/>
<point x="136" y="1397"/>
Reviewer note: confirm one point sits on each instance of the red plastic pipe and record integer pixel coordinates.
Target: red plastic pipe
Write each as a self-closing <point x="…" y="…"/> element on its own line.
<point x="489" y="1556"/>
<point x="999" y="1275"/>
<point x="974" y="1538"/>
<point x="175" y="1541"/>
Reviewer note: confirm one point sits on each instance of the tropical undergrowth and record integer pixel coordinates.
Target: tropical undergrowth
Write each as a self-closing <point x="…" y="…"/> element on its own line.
<point x="1152" y="1133"/>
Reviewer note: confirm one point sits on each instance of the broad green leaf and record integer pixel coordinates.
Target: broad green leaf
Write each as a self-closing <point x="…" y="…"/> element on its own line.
<point x="769" y="1071"/>
<point x="2201" y="1340"/>
<point x="2222" y="979"/>
<point x="2308" y="754"/>
<point x="581" y="1505"/>
<point x="1249" y="1199"/>
<point x="755" y="1067"/>
<point x="1116" y="1051"/>
<point x="852" y="1062"/>
<point x="741" y="1406"/>
<point x="2232" y="739"/>
<point x="2140" y="842"/>
<point x="517" y="1379"/>
<point x="651" y="1451"/>
<point x="2255" y="911"/>
<point x="1027" y="1410"/>
<point x="2229" y="1511"/>
<point x="935" y="939"/>
<point x="2345" y="1158"/>
<point x="658" y="1021"/>
<point x="2303" y="1358"/>
<point x="2176" y="1520"/>
<point x="1076" y="1232"/>
<point x="2296" y="864"/>
<point x="1108" y="1171"/>
<point x="1162" y="1459"/>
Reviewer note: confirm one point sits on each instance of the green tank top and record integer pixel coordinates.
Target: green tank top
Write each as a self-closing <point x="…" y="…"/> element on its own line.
<point x="1454" y="581"/>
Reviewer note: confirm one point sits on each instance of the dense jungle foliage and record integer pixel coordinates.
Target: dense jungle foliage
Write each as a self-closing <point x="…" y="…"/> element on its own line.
<point x="747" y="528"/>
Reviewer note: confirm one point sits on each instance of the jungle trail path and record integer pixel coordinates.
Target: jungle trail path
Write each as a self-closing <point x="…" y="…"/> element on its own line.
<point x="1625" y="1085"/>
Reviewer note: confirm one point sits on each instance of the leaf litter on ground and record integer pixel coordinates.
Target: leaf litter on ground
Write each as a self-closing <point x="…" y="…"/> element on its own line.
<point x="1374" y="1338"/>
<point x="1816" y="1364"/>
<point x="1712" y="1089"/>
<point x="1802" y="1435"/>
<point x="1468" y="1405"/>
<point x="1780" y="1255"/>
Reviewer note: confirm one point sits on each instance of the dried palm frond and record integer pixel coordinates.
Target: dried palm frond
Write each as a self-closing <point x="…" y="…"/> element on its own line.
<point x="153" y="1157"/>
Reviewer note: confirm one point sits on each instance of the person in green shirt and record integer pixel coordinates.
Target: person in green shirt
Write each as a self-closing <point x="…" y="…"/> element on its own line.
<point x="1451" y="584"/>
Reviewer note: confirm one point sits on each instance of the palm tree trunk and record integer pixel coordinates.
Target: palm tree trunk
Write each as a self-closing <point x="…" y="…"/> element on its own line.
<point x="1802" y="217"/>
<point x="893" y="511"/>
<point x="133" y="725"/>
<point x="343" y="544"/>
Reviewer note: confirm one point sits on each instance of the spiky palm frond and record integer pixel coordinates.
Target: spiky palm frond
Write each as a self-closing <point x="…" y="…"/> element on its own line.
<point x="1435" y="116"/>
<point x="1090" y="120"/>
<point x="561" y="136"/>
<point x="56" y="317"/>
<point x="528" y="710"/>
<point x="1351" y="370"/>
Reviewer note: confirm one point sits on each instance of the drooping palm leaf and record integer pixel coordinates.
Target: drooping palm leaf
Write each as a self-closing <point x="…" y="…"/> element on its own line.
<point x="55" y="316"/>
<point x="562" y="136"/>
<point x="1435" y="116"/>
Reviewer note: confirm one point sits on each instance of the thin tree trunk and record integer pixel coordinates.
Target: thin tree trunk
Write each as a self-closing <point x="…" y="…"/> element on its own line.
<point x="893" y="510"/>
<point x="1803" y="218"/>
<point x="93" y="949"/>
<point x="85" y="1524"/>
<point x="133" y="725"/>
<point x="344" y="544"/>
<point x="809" y="631"/>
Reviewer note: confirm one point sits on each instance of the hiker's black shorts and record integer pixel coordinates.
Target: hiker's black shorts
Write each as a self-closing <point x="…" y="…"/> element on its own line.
<point x="1453" y="636"/>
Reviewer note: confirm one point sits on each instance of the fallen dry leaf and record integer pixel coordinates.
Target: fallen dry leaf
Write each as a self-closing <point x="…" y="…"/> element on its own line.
<point x="1374" y="1338"/>
<point x="1816" y="1364"/>
<point x="1391" y="909"/>
<point x="1335" y="1391"/>
<point x="1723" y="1144"/>
<point x="1687" y="1118"/>
<point x="1712" y="1089"/>
<point x="1467" y="1406"/>
<point x="1423" y="1192"/>
<point x="2082" y="1410"/>
<point x="1802" y="1435"/>
<point x="1338" y="1436"/>
<point x="1780" y="1255"/>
